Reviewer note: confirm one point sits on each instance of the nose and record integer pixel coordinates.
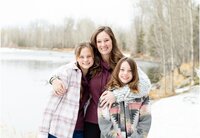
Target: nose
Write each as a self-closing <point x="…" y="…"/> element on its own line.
<point x="103" y="43"/>
<point x="125" y="72"/>
<point x="85" y="59"/>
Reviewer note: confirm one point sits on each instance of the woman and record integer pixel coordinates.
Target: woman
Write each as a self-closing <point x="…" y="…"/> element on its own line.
<point x="64" y="114"/>
<point x="130" y="116"/>
<point x="107" y="56"/>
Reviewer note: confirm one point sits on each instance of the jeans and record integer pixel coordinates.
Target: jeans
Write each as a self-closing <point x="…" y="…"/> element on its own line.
<point x="51" y="136"/>
<point x="78" y="134"/>
<point x="91" y="130"/>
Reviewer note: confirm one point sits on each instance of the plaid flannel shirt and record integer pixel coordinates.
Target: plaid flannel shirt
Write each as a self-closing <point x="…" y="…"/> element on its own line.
<point x="60" y="115"/>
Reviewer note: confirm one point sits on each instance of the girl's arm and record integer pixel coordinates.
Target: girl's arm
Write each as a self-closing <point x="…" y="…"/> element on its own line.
<point x="58" y="87"/>
<point x="144" y="124"/>
<point x="59" y="80"/>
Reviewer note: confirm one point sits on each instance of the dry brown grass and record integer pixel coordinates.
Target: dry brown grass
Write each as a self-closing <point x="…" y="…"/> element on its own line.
<point x="180" y="80"/>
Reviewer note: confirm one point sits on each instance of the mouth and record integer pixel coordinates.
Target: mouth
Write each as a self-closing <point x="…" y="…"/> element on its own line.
<point x="86" y="64"/>
<point x="125" y="78"/>
<point x="104" y="49"/>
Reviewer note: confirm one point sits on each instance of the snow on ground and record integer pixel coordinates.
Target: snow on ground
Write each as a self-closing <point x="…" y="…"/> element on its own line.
<point x="177" y="116"/>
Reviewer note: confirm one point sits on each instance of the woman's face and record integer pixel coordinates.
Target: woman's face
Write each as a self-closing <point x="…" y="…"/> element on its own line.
<point x="125" y="73"/>
<point x="104" y="43"/>
<point x="86" y="58"/>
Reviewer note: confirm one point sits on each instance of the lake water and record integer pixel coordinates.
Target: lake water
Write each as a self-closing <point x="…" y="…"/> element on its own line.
<point x="24" y="87"/>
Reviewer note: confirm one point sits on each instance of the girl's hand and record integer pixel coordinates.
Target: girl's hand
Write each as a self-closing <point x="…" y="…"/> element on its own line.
<point x="107" y="99"/>
<point x="58" y="87"/>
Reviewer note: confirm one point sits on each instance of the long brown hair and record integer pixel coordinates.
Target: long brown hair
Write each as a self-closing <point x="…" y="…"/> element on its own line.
<point x="115" y="55"/>
<point x="115" y="82"/>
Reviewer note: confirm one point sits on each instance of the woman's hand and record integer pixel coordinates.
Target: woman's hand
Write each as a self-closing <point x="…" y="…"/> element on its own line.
<point x="58" y="87"/>
<point x="107" y="99"/>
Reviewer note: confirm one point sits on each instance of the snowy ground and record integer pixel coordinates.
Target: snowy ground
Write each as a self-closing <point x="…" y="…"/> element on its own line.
<point x="177" y="116"/>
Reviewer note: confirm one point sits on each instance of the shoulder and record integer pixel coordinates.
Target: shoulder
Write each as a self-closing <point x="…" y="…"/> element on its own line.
<point x="69" y="66"/>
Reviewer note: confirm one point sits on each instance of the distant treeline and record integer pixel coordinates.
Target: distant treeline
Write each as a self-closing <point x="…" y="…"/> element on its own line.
<point x="167" y="30"/>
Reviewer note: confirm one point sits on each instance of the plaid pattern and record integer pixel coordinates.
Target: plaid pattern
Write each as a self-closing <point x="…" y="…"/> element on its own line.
<point x="60" y="115"/>
<point x="128" y="118"/>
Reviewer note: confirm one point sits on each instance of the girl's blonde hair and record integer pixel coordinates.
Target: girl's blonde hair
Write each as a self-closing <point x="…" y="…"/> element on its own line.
<point x="82" y="45"/>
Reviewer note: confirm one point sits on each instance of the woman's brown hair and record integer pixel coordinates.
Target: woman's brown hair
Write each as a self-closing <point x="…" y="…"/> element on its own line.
<point x="115" y="55"/>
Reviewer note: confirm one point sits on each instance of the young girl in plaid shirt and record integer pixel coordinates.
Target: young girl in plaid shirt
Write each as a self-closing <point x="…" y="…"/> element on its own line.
<point x="64" y="114"/>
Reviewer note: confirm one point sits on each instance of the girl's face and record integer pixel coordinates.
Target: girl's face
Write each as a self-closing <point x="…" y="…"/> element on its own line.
<point x="125" y="73"/>
<point x="104" y="43"/>
<point x="86" y="58"/>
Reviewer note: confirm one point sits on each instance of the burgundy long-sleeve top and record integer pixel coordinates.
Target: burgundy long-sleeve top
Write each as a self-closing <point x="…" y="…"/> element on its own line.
<point x="84" y="98"/>
<point x="96" y="87"/>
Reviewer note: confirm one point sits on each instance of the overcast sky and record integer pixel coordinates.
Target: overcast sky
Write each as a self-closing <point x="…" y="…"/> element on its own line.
<point x="22" y="12"/>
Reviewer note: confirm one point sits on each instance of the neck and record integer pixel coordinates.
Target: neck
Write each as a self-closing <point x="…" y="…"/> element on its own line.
<point x="84" y="71"/>
<point x="106" y="58"/>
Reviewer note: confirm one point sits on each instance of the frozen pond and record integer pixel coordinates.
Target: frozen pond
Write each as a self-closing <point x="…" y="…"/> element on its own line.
<point x="23" y="85"/>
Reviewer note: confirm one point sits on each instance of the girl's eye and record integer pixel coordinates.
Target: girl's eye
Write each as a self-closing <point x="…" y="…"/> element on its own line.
<point x="122" y="69"/>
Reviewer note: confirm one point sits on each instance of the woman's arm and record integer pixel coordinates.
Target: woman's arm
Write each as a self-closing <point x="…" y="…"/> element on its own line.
<point x="144" y="82"/>
<point x="108" y="97"/>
